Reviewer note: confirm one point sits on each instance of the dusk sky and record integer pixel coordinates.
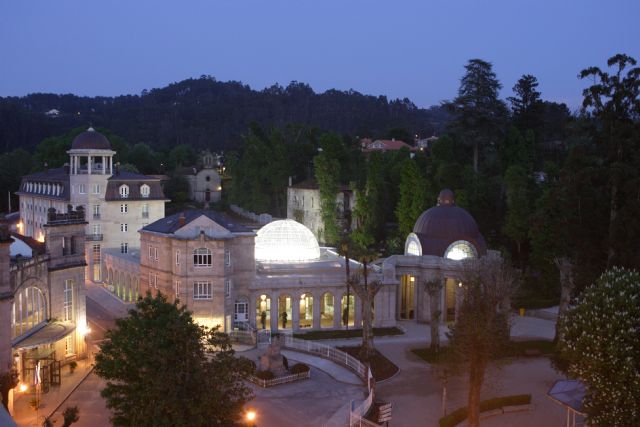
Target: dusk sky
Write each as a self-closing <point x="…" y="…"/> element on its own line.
<point x="415" y="49"/>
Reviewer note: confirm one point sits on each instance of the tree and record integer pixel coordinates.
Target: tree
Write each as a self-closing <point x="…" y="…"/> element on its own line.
<point x="327" y="173"/>
<point x="600" y="342"/>
<point x="433" y="286"/>
<point x="481" y="331"/>
<point x="366" y="292"/>
<point x="177" y="189"/>
<point x="527" y="99"/>
<point x="8" y="380"/>
<point x="516" y="225"/>
<point x="369" y="209"/>
<point x="567" y="286"/>
<point x="412" y="202"/>
<point x="614" y="100"/>
<point x="163" y="369"/>
<point x="478" y="113"/>
<point x="70" y="416"/>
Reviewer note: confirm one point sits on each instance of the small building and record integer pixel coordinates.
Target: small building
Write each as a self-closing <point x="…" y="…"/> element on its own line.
<point x="42" y="299"/>
<point x="384" y="145"/>
<point x="203" y="178"/>
<point x="303" y="206"/>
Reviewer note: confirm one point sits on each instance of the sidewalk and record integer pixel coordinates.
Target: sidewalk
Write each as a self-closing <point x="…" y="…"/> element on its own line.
<point x="25" y="416"/>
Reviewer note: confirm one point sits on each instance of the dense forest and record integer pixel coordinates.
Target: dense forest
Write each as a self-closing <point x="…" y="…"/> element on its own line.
<point x="547" y="187"/>
<point x="207" y="113"/>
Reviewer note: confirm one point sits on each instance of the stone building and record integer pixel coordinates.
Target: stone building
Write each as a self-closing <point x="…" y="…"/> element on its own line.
<point x="117" y="203"/>
<point x="303" y="206"/>
<point x="42" y="298"/>
<point x="204" y="178"/>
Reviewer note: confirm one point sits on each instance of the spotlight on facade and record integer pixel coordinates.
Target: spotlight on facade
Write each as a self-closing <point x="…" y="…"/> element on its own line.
<point x="84" y="330"/>
<point x="22" y="387"/>
<point x="251" y="415"/>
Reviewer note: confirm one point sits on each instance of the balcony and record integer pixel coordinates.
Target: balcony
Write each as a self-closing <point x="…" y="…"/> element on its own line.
<point x="96" y="216"/>
<point x="94" y="237"/>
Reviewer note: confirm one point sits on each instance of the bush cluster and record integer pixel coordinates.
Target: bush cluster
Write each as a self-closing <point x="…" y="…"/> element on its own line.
<point x="299" y="368"/>
<point x="265" y="375"/>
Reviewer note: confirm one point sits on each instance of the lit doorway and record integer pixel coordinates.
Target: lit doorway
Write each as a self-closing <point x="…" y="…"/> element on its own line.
<point x="284" y="311"/>
<point x="263" y="312"/>
<point x="306" y="311"/>
<point x="407" y="297"/>
<point x="450" y="298"/>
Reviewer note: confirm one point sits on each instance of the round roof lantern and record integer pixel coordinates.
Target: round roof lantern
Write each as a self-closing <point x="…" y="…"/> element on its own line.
<point x="286" y="241"/>
<point x="446" y="230"/>
<point x="91" y="139"/>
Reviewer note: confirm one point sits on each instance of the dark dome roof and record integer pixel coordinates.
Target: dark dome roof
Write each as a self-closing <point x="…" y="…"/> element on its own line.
<point x="90" y="140"/>
<point x="440" y="226"/>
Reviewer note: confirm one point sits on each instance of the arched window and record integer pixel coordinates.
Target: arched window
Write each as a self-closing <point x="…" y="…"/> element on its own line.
<point x="145" y="190"/>
<point x="124" y="191"/>
<point x="412" y="248"/>
<point x="459" y="250"/>
<point x="326" y="311"/>
<point x="202" y="257"/>
<point x="29" y="310"/>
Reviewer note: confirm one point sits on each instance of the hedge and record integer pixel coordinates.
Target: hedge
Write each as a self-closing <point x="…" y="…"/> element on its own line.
<point x="299" y="368"/>
<point x="460" y="414"/>
<point x="265" y="375"/>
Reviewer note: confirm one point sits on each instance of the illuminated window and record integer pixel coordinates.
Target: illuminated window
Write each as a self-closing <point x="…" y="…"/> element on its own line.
<point x="460" y="250"/>
<point x="286" y="241"/>
<point x="67" y="306"/>
<point x="412" y="248"/>
<point x="202" y="257"/>
<point x="29" y="311"/>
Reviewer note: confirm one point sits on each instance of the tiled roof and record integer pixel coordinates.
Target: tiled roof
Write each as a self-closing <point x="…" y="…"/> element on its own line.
<point x="171" y="224"/>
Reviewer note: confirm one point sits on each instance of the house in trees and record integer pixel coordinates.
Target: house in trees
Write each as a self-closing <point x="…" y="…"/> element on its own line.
<point x="303" y="205"/>
<point x="42" y="300"/>
<point x="203" y="178"/>
<point x="383" y="145"/>
<point x="117" y="203"/>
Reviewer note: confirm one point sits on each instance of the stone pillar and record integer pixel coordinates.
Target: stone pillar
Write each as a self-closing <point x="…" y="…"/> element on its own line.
<point x="316" y="310"/>
<point x="89" y="158"/>
<point x="358" y="312"/>
<point x="337" y="312"/>
<point x="275" y="315"/>
<point x="295" y="312"/>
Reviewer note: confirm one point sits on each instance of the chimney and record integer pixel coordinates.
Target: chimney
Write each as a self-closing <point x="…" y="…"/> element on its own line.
<point x="182" y="220"/>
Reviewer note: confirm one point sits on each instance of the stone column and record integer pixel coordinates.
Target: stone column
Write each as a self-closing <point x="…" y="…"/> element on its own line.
<point x="337" y="314"/>
<point x="358" y="313"/>
<point x="89" y="165"/>
<point x="275" y="314"/>
<point x="316" y="310"/>
<point x="295" y="311"/>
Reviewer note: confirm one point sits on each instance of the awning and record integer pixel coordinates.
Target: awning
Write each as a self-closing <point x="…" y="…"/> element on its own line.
<point x="49" y="333"/>
<point x="570" y="394"/>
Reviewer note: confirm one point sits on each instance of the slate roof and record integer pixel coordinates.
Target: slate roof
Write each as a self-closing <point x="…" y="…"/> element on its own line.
<point x="51" y="176"/>
<point x="171" y="224"/>
<point x="440" y="226"/>
<point x="90" y="140"/>
<point x="134" y="181"/>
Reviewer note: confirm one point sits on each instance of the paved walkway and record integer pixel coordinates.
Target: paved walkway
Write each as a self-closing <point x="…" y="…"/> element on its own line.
<point x="108" y="301"/>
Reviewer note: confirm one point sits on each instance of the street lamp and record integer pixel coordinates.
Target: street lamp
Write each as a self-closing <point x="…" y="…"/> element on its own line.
<point x="250" y="416"/>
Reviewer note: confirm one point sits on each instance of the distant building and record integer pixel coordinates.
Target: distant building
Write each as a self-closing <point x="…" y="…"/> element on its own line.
<point x="117" y="203"/>
<point x="52" y="113"/>
<point x="425" y="144"/>
<point x="368" y="145"/>
<point x="42" y="299"/>
<point x="303" y="205"/>
<point x="204" y="178"/>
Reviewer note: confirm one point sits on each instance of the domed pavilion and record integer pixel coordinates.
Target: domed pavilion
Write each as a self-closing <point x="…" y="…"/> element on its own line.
<point x="442" y="238"/>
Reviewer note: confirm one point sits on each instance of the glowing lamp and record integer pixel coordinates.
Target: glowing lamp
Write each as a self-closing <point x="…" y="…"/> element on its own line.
<point x="84" y="330"/>
<point x="22" y="387"/>
<point x="251" y="415"/>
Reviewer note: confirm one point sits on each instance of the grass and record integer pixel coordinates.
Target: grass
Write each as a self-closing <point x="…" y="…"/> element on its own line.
<point x="351" y="333"/>
<point x="381" y="367"/>
<point x="459" y="415"/>
<point x="515" y="349"/>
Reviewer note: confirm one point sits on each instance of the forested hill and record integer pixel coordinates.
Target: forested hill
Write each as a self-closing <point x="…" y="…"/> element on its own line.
<point x="208" y="113"/>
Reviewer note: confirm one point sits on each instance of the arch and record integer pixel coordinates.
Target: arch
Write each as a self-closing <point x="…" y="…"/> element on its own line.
<point x="263" y="305"/>
<point x="285" y="312"/>
<point x="459" y="250"/>
<point x="29" y="309"/>
<point x="412" y="245"/>
<point x="306" y="311"/>
<point x="201" y="257"/>
<point x="348" y="317"/>
<point x="327" y="305"/>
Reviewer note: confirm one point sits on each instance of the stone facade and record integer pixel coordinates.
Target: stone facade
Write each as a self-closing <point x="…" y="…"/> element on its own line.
<point x="203" y="178"/>
<point x="42" y="300"/>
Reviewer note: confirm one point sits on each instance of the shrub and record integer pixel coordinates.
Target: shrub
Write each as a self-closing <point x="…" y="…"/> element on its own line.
<point x="265" y="375"/>
<point x="72" y="366"/>
<point x="459" y="415"/>
<point x="299" y="368"/>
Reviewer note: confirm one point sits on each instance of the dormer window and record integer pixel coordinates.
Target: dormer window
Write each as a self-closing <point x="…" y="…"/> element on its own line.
<point x="145" y="190"/>
<point x="124" y="191"/>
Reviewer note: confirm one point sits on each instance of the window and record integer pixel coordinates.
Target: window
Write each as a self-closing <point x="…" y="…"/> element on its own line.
<point x="96" y="263"/>
<point x="177" y="286"/>
<point x="96" y="211"/>
<point x="145" y="211"/>
<point x="150" y="252"/>
<point x="201" y="290"/>
<point x="178" y="257"/>
<point x="124" y="248"/>
<point x="153" y="280"/>
<point x="202" y="257"/>
<point x="67" y="305"/>
<point x="460" y="250"/>
<point x="124" y="227"/>
<point x="124" y="208"/>
<point x="97" y="229"/>
<point x="96" y="188"/>
<point x="145" y="190"/>
<point x="69" y="345"/>
<point x="227" y="288"/>
<point x="227" y="258"/>
<point x="124" y="191"/>
<point x="81" y="189"/>
<point x="155" y="253"/>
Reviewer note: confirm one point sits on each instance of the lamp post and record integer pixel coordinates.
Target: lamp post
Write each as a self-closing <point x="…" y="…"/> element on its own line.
<point x="250" y="417"/>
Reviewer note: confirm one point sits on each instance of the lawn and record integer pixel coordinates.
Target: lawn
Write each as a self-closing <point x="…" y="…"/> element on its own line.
<point x="515" y="349"/>
<point x="351" y="333"/>
<point x="381" y="367"/>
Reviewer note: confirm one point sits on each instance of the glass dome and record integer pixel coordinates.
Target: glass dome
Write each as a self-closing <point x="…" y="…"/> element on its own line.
<point x="286" y="241"/>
